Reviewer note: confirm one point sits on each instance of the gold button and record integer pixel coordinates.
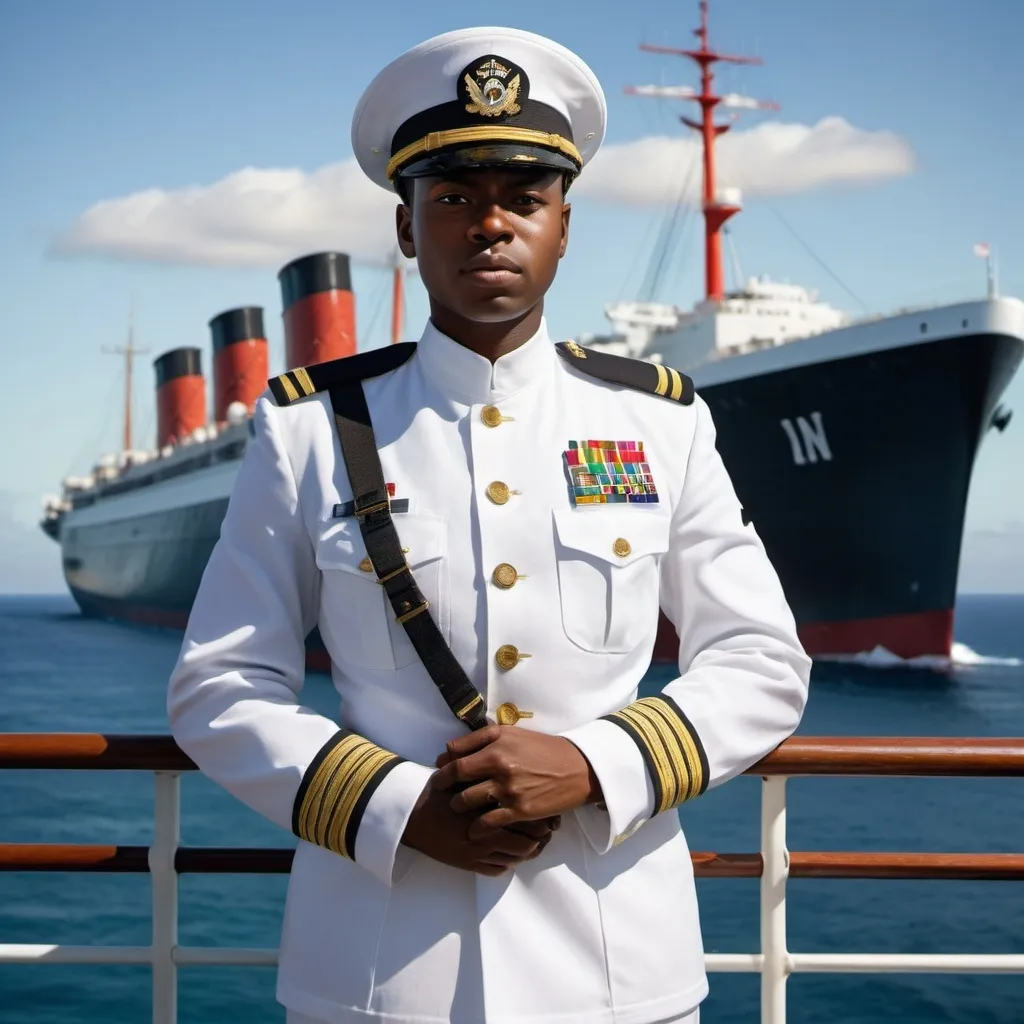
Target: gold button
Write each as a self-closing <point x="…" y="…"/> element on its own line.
<point x="505" y="576"/>
<point x="491" y="416"/>
<point x="498" y="492"/>
<point x="509" y="714"/>
<point x="508" y="656"/>
<point x="622" y="547"/>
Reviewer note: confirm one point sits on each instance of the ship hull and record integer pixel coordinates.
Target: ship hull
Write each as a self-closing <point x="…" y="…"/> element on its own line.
<point x="854" y="471"/>
<point x="143" y="568"/>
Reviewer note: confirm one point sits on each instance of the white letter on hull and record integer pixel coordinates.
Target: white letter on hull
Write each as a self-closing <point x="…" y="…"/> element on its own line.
<point x="811" y="442"/>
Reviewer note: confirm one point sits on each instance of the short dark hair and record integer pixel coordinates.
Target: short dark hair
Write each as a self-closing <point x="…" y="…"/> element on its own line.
<point x="403" y="186"/>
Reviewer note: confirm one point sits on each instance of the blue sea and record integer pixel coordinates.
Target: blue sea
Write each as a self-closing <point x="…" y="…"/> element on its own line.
<point x="60" y="672"/>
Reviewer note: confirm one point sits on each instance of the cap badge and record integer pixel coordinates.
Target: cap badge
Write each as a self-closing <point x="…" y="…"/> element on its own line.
<point x="492" y="88"/>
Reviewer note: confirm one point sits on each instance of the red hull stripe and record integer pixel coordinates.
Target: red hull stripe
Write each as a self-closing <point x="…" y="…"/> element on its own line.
<point x="906" y="636"/>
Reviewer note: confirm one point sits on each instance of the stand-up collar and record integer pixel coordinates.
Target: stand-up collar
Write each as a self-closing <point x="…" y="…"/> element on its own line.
<point x="469" y="377"/>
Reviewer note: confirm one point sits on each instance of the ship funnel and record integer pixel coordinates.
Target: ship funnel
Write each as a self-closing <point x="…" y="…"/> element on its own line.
<point x="240" y="363"/>
<point x="180" y="395"/>
<point x="319" y="310"/>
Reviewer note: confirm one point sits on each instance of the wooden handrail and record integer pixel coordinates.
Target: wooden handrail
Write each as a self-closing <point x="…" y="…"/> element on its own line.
<point x="278" y="861"/>
<point x="798" y="756"/>
<point x="895" y="755"/>
<point x="91" y="750"/>
<point x="213" y="860"/>
<point x="1004" y="867"/>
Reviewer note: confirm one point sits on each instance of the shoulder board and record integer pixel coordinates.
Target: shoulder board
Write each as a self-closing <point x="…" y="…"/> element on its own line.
<point x="637" y="374"/>
<point x="304" y="381"/>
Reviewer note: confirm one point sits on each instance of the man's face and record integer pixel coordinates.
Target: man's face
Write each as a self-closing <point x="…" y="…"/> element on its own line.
<point x="487" y="241"/>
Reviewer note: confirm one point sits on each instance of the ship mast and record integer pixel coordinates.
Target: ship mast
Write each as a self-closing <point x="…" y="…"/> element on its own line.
<point x="129" y="352"/>
<point x="718" y="208"/>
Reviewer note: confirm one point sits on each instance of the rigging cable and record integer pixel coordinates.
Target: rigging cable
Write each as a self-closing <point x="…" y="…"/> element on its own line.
<point x="657" y="268"/>
<point x="734" y="260"/>
<point x="676" y="267"/>
<point x="821" y="263"/>
<point x="656" y="220"/>
<point x="94" y="443"/>
<point x="659" y="253"/>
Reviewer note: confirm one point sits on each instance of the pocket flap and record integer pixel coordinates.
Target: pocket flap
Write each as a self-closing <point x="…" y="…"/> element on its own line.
<point x="341" y="545"/>
<point x="616" y="537"/>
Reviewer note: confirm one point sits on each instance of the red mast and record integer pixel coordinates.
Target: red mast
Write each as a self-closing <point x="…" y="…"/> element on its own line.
<point x="716" y="209"/>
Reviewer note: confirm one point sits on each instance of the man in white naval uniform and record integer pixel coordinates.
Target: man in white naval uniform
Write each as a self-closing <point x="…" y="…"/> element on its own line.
<point x="489" y="836"/>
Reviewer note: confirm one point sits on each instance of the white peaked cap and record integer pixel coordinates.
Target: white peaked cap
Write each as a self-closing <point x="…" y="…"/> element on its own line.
<point x="479" y="97"/>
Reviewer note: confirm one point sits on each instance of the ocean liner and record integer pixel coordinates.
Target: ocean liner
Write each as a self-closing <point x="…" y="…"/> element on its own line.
<point x="850" y="443"/>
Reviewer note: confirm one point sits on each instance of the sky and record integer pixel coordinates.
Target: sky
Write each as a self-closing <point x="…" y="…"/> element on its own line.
<point x="169" y="159"/>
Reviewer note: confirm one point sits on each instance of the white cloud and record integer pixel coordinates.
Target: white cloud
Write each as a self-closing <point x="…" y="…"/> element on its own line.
<point x="265" y="217"/>
<point x="770" y="159"/>
<point x="253" y="217"/>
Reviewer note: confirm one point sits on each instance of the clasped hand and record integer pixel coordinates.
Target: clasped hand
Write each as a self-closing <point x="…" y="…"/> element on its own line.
<point x="497" y="798"/>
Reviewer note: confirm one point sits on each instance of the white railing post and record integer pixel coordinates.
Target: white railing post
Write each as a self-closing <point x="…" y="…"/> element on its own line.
<point x="166" y="833"/>
<point x="775" y="966"/>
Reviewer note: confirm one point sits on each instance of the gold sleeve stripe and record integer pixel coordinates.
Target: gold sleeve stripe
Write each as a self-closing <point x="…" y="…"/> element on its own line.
<point x="665" y="771"/>
<point x="677" y="384"/>
<point x="303" y="380"/>
<point x="335" y="790"/>
<point x="284" y="382"/>
<point x="671" y="749"/>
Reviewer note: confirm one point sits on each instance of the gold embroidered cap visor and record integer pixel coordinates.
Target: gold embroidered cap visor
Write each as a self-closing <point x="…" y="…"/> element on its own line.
<point x="482" y="97"/>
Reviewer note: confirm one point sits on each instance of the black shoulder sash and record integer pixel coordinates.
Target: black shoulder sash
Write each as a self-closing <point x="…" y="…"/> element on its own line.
<point x="373" y="513"/>
<point x="638" y="374"/>
<point x="308" y="380"/>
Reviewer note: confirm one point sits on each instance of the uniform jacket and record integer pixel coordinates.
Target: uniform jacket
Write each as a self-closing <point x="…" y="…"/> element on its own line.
<point x="603" y="926"/>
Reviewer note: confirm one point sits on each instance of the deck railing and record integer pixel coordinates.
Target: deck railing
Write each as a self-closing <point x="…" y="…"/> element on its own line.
<point x="166" y="859"/>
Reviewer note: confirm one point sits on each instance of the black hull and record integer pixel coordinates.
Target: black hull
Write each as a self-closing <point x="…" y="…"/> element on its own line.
<point x="861" y="505"/>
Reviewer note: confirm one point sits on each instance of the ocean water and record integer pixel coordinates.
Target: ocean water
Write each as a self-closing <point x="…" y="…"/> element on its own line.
<point x="59" y="672"/>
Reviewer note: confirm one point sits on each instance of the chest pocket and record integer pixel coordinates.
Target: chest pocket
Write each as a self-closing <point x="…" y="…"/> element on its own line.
<point x="608" y="575"/>
<point x="357" y="621"/>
